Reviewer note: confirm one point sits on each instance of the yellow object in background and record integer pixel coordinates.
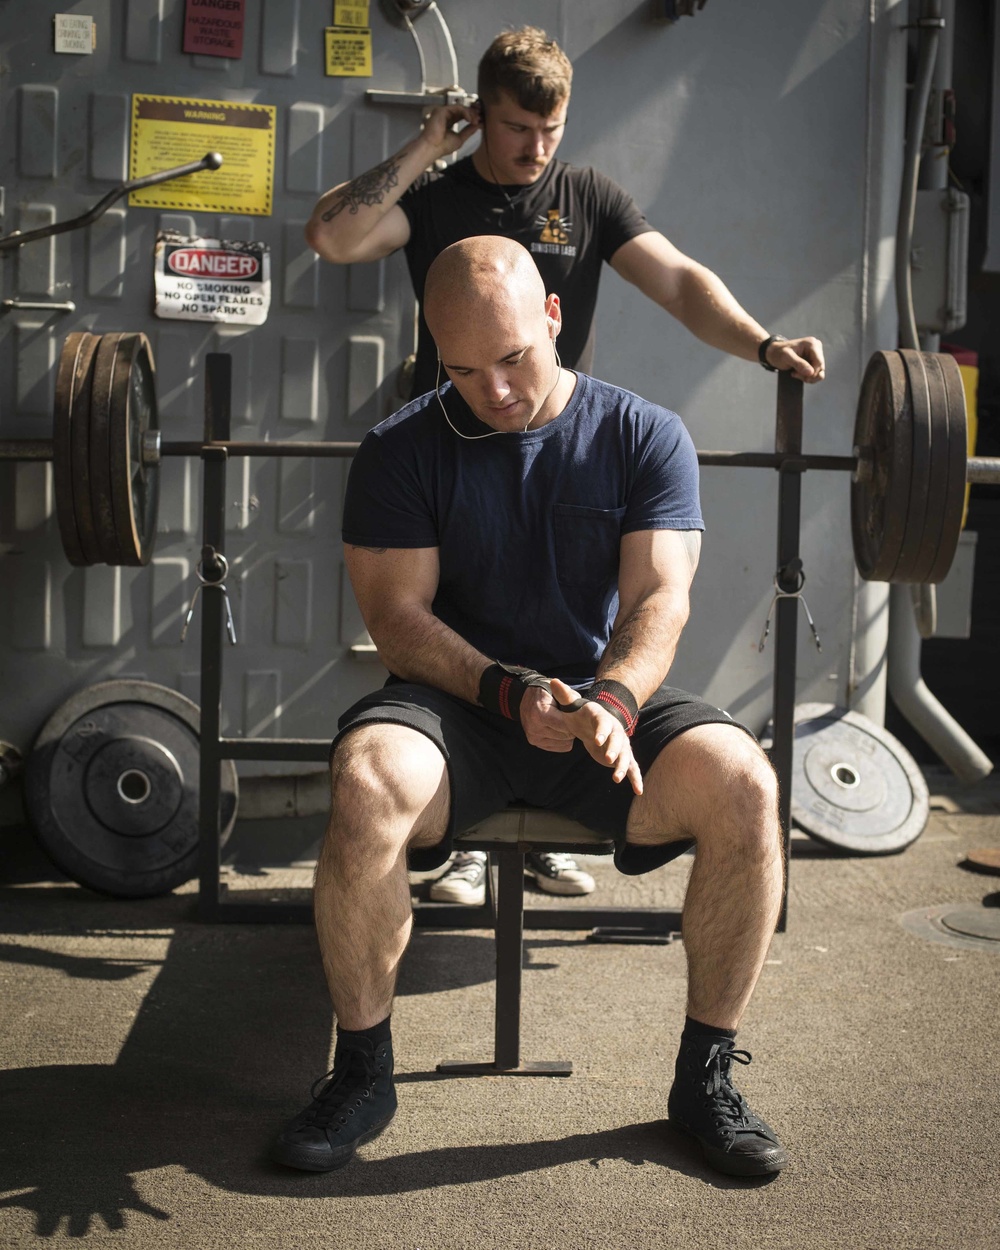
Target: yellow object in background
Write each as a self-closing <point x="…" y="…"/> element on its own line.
<point x="348" y="52"/>
<point x="173" y="130"/>
<point x="350" y="13"/>
<point x="970" y="384"/>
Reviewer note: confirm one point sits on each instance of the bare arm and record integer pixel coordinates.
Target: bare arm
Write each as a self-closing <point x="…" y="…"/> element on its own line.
<point x="395" y="589"/>
<point x="361" y="220"/>
<point x="702" y="302"/>
<point x="655" y="572"/>
<point x="654" y="579"/>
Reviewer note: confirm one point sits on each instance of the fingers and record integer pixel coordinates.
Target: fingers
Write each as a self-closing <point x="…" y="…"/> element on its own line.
<point x="562" y="693"/>
<point x="802" y="358"/>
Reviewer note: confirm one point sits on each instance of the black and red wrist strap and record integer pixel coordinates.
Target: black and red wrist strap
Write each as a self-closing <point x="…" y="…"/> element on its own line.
<point x="503" y="686"/>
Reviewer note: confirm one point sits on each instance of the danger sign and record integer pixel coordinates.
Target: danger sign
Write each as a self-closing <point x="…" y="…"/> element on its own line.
<point x="213" y="262"/>
<point x="211" y="280"/>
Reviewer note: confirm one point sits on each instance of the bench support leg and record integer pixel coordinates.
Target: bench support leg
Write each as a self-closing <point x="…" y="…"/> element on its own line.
<point x="509" y="952"/>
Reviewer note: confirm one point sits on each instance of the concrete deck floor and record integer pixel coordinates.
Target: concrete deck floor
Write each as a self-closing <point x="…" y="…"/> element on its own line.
<point x="146" y="1060"/>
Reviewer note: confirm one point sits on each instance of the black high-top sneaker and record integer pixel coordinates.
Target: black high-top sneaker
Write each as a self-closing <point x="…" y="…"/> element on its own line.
<point x="705" y="1104"/>
<point x="351" y="1105"/>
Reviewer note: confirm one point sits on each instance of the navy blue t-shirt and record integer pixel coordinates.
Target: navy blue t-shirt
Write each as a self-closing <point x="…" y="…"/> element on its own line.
<point x="528" y="525"/>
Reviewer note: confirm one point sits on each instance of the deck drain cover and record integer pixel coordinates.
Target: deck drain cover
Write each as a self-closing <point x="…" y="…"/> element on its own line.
<point x="962" y="925"/>
<point x="977" y="922"/>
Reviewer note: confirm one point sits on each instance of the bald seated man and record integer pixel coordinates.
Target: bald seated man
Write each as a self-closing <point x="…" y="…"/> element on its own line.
<point x="521" y="542"/>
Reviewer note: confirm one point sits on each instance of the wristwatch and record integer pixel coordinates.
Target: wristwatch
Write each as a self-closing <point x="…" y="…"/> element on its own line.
<point x="762" y="350"/>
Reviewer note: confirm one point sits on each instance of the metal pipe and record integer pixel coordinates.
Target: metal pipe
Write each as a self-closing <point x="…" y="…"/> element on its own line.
<point x="929" y="718"/>
<point x="918" y="705"/>
<point x="930" y="25"/>
<point x="211" y="160"/>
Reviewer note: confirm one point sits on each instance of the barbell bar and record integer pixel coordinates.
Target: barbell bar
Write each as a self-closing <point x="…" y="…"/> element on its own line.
<point x="909" y="467"/>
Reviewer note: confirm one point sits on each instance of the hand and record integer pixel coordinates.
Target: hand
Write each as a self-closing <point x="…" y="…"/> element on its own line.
<point x="439" y="126"/>
<point x="543" y="724"/>
<point x="802" y="358"/>
<point x="600" y="732"/>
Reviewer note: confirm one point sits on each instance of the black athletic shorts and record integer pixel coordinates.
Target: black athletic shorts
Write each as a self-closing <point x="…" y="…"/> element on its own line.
<point x="491" y="764"/>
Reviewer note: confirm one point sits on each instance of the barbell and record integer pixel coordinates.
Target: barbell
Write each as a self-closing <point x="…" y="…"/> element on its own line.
<point x="909" y="465"/>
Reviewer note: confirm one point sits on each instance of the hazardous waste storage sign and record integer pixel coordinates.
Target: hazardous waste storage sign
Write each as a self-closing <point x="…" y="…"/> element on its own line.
<point x="212" y="280"/>
<point x="214" y="27"/>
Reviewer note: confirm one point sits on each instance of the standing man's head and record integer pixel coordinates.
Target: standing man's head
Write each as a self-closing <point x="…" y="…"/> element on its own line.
<point x="495" y="330"/>
<point x="524" y="85"/>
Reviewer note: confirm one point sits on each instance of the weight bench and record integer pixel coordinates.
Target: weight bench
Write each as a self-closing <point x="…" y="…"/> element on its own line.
<point x="507" y="836"/>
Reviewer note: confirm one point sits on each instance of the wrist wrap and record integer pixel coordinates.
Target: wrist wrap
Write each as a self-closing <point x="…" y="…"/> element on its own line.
<point x="503" y="686"/>
<point x="619" y="701"/>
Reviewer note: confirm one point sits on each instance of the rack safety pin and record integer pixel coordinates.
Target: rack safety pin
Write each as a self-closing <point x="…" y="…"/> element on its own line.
<point x="220" y="582"/>
<point x="789" y="594"/>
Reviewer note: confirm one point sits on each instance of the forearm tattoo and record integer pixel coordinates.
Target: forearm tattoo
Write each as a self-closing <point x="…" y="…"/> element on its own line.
<point x="624" y="638"/>
<point x="365" y="190"/>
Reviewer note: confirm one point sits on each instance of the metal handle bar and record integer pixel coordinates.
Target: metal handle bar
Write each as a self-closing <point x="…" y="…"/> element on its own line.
<point x="978" y="468"/>
<point x="211" y="160"/>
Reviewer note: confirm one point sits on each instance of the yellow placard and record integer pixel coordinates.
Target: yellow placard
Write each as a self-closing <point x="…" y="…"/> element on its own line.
<point x="170" y="130"/>
<point x="350" y="13"/>
<point x="348" y="53"/>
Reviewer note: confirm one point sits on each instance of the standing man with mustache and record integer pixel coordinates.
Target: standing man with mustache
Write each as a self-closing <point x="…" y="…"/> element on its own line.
<point x="570" y="219"/>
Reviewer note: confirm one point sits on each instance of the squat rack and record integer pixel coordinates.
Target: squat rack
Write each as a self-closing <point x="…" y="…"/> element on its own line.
<point x="215" y="451"/>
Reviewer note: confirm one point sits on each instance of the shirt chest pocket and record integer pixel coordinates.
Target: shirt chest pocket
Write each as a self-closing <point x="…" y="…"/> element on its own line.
<point x="586" y="544"/>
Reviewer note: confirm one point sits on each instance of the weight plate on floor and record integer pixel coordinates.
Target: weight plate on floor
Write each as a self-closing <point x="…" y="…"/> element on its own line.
<point x="77" y="427"/>
<point x="62" y="446"/>
<point x="854" y="786"/>
<point x="100" y="449"/>
<point x="881" y="489"/>
<point x="134" y="484"/>
<point x="111" y="788"/>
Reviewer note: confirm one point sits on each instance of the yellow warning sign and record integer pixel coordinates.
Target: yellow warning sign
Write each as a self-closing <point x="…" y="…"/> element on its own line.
<point x="350" y="13"/>
<point x="348" y="52"/>
<point x="170" y="130"/>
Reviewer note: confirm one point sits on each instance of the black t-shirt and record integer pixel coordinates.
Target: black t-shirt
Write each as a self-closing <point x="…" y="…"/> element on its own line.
<point x="571" y="220"/>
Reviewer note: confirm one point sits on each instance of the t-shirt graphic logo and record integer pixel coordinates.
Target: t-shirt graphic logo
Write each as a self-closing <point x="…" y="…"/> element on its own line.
<point x="555" y="229"/>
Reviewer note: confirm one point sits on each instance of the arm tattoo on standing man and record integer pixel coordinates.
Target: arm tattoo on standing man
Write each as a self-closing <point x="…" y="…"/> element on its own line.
<point x="367" y="189"/>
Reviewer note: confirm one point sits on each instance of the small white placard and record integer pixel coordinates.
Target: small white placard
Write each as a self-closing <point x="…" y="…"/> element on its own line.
<point x="74" y="33"/>
<point x="211" y="280"/>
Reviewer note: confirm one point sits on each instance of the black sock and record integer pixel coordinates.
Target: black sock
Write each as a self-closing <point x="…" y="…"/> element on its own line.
<point x="377" y="1034"/>
<point x="695" y="1030"/>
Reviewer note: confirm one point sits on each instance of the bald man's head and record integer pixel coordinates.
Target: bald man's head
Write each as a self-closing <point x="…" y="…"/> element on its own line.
<point x="479" y="276"/>
<point x="495" y="328"/>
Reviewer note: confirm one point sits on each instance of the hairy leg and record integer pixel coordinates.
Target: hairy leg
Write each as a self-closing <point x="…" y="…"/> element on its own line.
<point x="715" y="785"/>
<point x="389" y="791"/>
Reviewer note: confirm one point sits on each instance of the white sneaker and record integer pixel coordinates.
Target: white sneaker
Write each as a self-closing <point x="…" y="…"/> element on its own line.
<point x="557" y="873"/>
<point x="464" y="880"/>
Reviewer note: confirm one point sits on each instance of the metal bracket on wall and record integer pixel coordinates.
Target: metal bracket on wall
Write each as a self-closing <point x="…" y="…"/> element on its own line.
<point x="438" y="60"/>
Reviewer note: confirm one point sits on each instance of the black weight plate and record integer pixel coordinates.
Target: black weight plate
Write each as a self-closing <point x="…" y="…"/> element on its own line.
<point x="882" y="430"/>
<point x="910" y="548"/>
<point x="100" y="449"/>
<point x="854" y="786"/>
<point x="111" y="788"/>
<point x="79" y="435"/>
<point x="954" y="500"/>
<point x="62" y="446"/>
<point x="134" y="485"/>
<point x="938" y="476"/>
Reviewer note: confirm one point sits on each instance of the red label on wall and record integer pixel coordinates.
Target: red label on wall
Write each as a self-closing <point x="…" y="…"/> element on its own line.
<point x="214" y="27"/>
